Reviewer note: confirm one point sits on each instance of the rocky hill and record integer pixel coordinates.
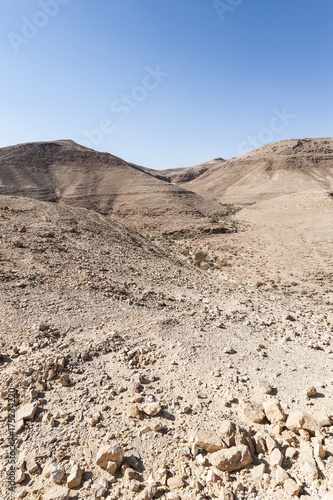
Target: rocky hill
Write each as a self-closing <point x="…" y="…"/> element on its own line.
<point x="292" y="166"/>
<point x="63" y="171"/>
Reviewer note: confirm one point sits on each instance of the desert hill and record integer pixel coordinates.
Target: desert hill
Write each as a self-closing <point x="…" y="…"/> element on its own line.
<point x="63" y="171"/>
<point x="287" y="214"/>
<point x="291" y="166"/>
<point x="184" y="174"/>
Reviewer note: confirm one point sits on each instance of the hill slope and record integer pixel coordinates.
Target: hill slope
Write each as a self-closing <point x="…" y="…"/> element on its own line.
<point x="64" y="171"/>
<point x="296" y="165"/>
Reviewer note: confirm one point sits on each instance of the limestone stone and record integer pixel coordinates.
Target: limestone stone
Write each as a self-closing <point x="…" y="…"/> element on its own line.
<point x="281" y="475"/>
<point x="133" y="411"/>
<point x="303" y="420"/>
<point x="258" y="472"/>
<point x="19" y="476"/>
<point x="175" y="482"/>
<point x="19" y="425"/>
<point x="209" y="441"/>
<point x="57" y="493"/>
<point x="290" y="452"/>
<point x="57" y="474"/>
<point x="276" y="458"/>
<point x="253" y="412"/>
<point x="319" y="450"/>
<point x="26" y="412"/>
<point x="151" y="409"/>
<point x="265" y="387"/>
<point x="31" y="464"/>
<point x="274" y="411"/>
<point x="226" y="494"/>
<point x="111" y="467"/>
<point x="226" y="432"/>
<point x="75" y="477"/>
<point x="308" y="466"/>
<point x="109" y="454"/>
<point x="231" y="459"/>
<point x="291" y="487"/>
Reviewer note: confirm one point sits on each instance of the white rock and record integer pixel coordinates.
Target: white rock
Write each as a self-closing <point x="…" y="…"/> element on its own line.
<point x="26" y="412"/>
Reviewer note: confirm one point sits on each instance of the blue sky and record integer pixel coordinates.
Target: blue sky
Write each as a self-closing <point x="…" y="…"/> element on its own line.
<point x="166" y="83"/>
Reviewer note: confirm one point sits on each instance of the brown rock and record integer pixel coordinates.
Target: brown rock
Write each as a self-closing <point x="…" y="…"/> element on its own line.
<point x="151" y="409"/>
<point x="209" y="441"/>
<point x="175" y="482"/>
<point x="273" y="411"/>
<point x="109" y="454"/>
<point x="310" y="391"/>
<point x="253" y="412"/>
<point x="231" y="459"/>
<point x="75" y="477"/>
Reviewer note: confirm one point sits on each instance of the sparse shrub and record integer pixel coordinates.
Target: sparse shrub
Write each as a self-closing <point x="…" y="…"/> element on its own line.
<point x="199" y="258"/>
<point x="185" y="251"/>
<point x="221" y="263"/>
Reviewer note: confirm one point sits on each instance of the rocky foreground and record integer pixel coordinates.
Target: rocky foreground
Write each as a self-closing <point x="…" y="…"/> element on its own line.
<point x="141" y="376"/>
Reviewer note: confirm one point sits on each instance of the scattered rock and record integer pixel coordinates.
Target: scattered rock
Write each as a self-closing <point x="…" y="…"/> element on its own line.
<point x="26" y="412"/>
<point x="209" y="441"/>
<point x="273" y="411"/>
<point x="253" y="412"/>
<point x="276" y="457"/>
<point x="75" y="477"/>
<point x="151" y="409"/>
<point x="57" y="493"/>
<point x="231" y="459"/>
<point x="281" y="475"/>
<point x="19" y="476"/>
<point x="175" y="482"/>
<point x="109" y="454"/>
<point x="57" y="474"/>
<point x="310" y="391"/>
<point x="291" y="487"/>
<point x="265" y="387"/>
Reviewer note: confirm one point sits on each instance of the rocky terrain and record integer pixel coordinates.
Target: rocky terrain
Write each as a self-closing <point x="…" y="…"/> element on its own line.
<point x="139" y="375"/>
<point x="285" y="230"/>
<point x="190" y="360"/>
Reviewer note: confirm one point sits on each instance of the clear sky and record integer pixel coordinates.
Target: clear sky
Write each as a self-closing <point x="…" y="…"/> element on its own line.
<point x="166" y="83"/>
